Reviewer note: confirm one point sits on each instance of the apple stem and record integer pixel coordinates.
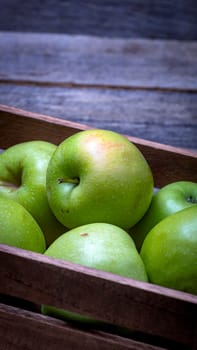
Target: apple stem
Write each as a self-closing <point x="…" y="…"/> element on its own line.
<point x="74" y="181"/>
<point x="191" y="199"/>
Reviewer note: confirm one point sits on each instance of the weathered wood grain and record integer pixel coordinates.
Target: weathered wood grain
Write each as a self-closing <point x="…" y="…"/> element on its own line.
<point x="67" y="59"/>
<point x="138" y="306"/>
<point x="145" y="88"/>
<point x="22" y="330"/>
<point x="165" y="117"/>
<point x="125" y="18"/>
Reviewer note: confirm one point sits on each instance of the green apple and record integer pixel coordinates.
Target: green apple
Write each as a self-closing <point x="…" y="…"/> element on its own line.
<point x="98" y="176"/>
<point x="18" y="228"/>
<point x="23" y="179"/>
<point x="169" y="251"/>
<point x="168" y="200"/>
<point x="100" y="246"/>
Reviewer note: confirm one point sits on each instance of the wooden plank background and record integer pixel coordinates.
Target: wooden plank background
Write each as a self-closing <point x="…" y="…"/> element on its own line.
<point x="129" y="66"/>
<point x="126" y="18"/>
<point x="85" y="60"/>
<point x="141" y="87"/>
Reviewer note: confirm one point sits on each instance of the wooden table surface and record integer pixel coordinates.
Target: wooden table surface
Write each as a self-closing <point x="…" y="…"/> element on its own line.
<point x="145" y="87"/>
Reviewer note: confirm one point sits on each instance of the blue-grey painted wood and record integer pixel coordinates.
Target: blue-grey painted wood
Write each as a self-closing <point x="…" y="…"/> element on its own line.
<point x="85" y="60"/>
<point x="106" y="18"/>
<point x="142" y="87"/>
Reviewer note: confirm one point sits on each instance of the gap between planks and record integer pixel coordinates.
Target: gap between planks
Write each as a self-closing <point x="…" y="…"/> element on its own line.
<point x="94" y="86"/>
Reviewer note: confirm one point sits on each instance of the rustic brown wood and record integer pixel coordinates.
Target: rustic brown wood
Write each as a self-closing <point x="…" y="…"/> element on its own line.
<point x="90" y="61"/>
<point x="125" y="18"/>
<point x="165" y="117"/>
<point x="167" y="163"/>
<point x="111" y="298"/>
<point x="34" y="331"/>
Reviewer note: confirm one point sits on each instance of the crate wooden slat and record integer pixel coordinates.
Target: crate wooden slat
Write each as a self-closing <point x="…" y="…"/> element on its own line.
<point x="165" y="317"/>
<point x="113" y="299"/>
<point x="32" y="331"/>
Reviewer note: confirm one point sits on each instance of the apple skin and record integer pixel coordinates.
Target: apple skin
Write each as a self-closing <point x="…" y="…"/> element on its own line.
<point x="169" y="251"/>
<point x="168" y="200"/>
<point x="18" y="228"/>
<point x="23" y="179"/>
<point x="100" y="246"/>
<point x="98" y="176"/>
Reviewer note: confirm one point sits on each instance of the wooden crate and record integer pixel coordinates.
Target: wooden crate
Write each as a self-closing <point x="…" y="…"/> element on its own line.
<point x="160" y="318"/>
